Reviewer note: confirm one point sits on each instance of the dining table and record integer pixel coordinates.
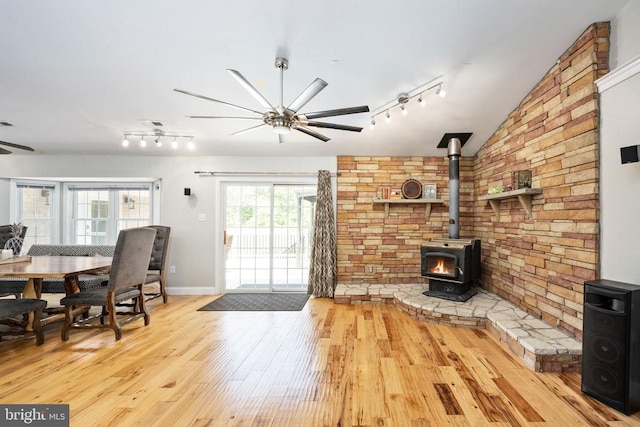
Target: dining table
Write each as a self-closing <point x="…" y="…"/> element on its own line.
<point x="37" y="268"/>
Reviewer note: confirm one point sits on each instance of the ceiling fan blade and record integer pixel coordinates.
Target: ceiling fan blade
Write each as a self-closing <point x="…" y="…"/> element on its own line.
<point x="312" y="133"/>
<point x="337" y="112"/>
<point x="240" y="132"/>
<point x="218" y="101"/>
<point x="224" y="117"/>
<point x="333" y="126"/>
<point x="252" y="90"/>
<point x="312" y="90"/>
<point x="3" y="151"/>
<point x="11" y="144"/>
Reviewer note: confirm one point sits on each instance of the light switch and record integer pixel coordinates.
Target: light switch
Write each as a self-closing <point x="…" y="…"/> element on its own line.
<point x="202" y="217"/>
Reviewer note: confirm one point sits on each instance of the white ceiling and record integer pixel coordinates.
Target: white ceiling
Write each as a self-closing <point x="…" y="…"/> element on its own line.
<point x="76" y="75"/>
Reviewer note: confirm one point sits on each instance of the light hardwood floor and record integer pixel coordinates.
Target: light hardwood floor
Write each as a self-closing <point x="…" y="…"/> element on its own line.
<point x="327" y="365"/>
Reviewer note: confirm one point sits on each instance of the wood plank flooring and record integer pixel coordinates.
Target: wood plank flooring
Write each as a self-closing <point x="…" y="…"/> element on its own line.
<point x="327" y="365"/>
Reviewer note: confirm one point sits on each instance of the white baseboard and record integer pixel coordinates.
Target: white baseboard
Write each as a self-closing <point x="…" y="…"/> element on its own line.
<point x="190" y="291"/>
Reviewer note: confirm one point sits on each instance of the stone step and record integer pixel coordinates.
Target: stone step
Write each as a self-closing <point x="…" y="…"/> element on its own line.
<point x="542" y="347"/>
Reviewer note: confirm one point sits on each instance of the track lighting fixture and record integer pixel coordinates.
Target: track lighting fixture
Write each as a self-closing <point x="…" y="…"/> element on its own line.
<point x="159" y="138"/>
<point x="373" y="123"/>
<point x="403" y="99"/>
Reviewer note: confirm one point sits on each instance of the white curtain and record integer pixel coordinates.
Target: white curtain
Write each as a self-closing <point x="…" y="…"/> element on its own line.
<point x="323" y="270"/>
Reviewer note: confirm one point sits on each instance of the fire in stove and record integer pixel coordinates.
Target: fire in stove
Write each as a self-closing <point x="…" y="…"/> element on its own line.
<point x="439" y="268"/>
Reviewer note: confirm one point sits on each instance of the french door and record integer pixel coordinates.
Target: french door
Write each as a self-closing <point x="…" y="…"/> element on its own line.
<point x="268" y="229"/>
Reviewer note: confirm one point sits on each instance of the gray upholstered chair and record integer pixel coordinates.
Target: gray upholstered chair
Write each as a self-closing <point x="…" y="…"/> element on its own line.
<point x="157" y="263"/>
<point x="13" y="308"/>
<point x="126" y="278"/>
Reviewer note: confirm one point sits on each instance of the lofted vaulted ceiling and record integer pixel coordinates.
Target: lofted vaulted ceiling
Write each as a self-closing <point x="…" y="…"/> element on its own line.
<point x="75" y="76"/>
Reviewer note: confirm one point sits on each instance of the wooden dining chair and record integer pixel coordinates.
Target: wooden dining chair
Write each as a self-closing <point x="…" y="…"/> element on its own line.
<point x="12" y="308"/>
<point x="126" y="279"/>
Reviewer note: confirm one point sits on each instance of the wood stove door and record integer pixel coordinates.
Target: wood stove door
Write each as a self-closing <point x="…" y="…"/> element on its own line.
<point x="440" y="264"/>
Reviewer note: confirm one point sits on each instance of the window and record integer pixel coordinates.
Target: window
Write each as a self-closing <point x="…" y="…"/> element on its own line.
<point x="36" y="207"/>
<point x="82" y="212"/>
<point x="98" y="213"/>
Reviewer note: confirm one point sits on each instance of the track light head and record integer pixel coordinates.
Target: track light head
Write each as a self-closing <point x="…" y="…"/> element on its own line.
<point x="387" y="117"/>
<point x="125" y="141"/>
<point x="404" y="110"/>
<point x="421" y="101"/>
<point x="143" y="143"/>
<point x="373" y="123"/>
<point x="441" y="93"/>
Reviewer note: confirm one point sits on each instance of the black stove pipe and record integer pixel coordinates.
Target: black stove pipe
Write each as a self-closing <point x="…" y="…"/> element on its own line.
<point x="454" y="152"/>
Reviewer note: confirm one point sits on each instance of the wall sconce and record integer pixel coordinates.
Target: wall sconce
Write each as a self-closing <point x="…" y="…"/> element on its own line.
<point x="187" y="191"/>
<point x="404" y="98"/>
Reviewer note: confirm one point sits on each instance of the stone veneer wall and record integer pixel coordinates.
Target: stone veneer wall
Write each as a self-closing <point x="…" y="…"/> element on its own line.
<point x="538" y="263"/>
<point x="541" y="263"/>
<point x="392" y="244"/>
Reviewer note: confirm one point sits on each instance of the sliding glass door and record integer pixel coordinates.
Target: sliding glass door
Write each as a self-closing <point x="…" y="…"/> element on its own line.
<point x="267" y="236"/>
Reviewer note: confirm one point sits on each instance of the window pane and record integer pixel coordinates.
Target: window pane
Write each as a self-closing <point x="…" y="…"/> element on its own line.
<point x="36" y="213"/>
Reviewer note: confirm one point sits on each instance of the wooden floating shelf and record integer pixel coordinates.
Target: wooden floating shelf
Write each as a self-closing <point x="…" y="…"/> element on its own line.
<point x="524" y="195"/>
<point x="426" y="202"/>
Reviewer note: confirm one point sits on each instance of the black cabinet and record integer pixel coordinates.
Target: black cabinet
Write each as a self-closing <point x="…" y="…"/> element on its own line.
<point x="611" y="344"/>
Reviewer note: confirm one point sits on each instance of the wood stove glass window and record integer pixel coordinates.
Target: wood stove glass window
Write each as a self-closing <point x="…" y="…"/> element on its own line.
<point x="440" y="264"/>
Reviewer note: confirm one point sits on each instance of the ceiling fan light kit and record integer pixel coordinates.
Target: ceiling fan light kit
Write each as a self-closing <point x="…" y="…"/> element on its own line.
<point x="282" y="120"/>
<point x="404" y="98"/>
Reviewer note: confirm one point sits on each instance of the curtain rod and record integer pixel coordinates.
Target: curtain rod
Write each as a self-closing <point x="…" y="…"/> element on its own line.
<point x="212" y="173"/>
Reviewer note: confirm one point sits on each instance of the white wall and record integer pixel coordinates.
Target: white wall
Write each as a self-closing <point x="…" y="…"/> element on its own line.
<point x="625" y="34"/>
<point x="620" y="127"/>
<point x="194" y="244"/>
<point x="4" y="201"/>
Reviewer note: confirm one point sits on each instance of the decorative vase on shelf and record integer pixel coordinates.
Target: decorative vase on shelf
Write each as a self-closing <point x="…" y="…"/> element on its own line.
<point x="15" y="241"/>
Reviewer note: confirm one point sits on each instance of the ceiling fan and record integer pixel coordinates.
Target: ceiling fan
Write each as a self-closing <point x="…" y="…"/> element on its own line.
<point x="10" y="144"/>
<point x="283" y="119"/>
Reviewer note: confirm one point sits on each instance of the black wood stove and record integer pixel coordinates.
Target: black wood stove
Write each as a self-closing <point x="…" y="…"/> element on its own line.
<point x="452" y="265"/>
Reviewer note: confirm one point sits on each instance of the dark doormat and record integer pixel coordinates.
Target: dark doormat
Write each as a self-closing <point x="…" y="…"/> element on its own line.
<point x="258" y="302"/>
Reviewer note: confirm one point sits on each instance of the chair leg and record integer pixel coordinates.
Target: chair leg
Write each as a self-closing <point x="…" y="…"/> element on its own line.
<point x="143" y="308"/>
<point x="37" y="327"/>
<point x="163" y="290"/>
<point x="104" y="314"/>
<point x="68" y="320"/>
<point x="113" y="319"/>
